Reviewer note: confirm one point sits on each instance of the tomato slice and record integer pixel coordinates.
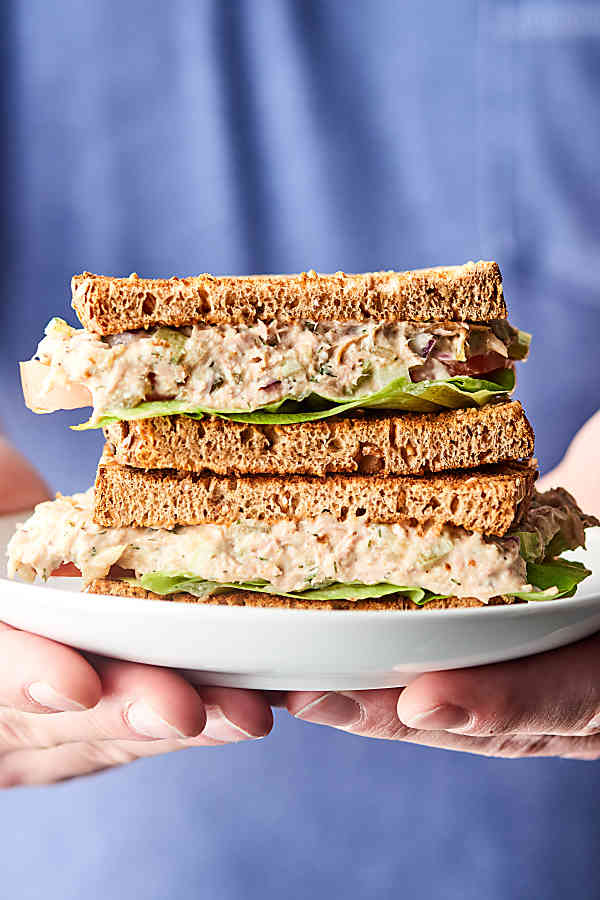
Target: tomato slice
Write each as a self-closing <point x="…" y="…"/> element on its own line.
<point x="67" y="569"/>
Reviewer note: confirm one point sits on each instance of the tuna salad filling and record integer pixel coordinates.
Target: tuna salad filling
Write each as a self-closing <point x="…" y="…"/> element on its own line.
<point x="285" y="368"/>
<point x="310" y="557"/>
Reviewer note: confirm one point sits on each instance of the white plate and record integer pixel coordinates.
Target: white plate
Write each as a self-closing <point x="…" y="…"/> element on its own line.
<point x="297" y="649"/>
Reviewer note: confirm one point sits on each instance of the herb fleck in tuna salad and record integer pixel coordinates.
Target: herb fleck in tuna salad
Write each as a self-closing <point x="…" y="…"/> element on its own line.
<point x="319" y="558"/>
<point x="278" y="372"/>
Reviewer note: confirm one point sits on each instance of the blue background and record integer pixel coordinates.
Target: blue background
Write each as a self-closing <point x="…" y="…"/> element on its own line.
<point x="190" y="136"/>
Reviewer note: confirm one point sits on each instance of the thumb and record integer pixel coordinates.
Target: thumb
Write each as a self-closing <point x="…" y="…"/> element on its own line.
<point x="21" y="487"/>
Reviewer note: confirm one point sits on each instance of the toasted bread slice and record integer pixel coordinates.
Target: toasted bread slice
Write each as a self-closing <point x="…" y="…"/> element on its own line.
<point x="472" y="291"/>
<point x="407" y="444"/>
<point x="273" y="601"/>
<point x="487" y="501"/>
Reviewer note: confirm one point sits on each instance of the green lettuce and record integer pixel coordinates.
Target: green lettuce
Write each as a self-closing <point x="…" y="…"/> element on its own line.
<point x="553" y="579"/>
<point x="532" y="547"/>
<point x="563" y="574"/>
<point x="161" y="583"/>
<point x="141" y="411"/>
<point x="400" y="394"/>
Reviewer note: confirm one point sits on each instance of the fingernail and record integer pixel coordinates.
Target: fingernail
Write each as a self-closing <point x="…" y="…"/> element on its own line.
<point x="440" y="718"/>
<point x="143" y="719"/>
<point x="331" y="709"/>
<point x="220" y="728"/>
<point x="45" y="695"/>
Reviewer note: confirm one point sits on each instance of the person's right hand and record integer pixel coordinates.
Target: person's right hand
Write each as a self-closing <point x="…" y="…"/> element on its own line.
<point x="63" y="715"/>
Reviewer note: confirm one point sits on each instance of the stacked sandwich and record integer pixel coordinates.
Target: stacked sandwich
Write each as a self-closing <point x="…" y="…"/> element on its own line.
<point x="316" y="441"/>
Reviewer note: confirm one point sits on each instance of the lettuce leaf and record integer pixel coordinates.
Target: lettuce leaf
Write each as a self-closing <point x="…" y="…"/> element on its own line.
<point x="555" y="573"/>
<point x="531" y="545"/>
<point x="160" y="583"/>
<point x="553" y="579"/>
<point x="400" y="394"/>
<point x="141" y="411"/>
<point x="552" y="524"/>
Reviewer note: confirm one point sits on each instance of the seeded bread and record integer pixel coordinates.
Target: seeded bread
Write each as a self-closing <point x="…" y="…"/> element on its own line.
<point x="272" y="601"/>
<point x="486" y="501"/>
<point x="407" y="444"/>
<point x="107" y="305"/>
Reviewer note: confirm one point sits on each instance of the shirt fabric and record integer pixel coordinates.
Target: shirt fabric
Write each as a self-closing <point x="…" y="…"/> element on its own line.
<point x="278" y="136"/>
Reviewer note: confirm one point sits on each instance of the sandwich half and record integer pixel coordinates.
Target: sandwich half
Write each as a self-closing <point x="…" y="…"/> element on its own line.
<point x="474" y="538"/>
<point x="279" y="350"/>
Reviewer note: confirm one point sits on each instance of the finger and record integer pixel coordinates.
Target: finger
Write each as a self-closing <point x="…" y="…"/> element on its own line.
<point x="21" y="487"/>
<point x="373" y="714"/>
<point x="368" y="713"/>
<point x="152" y="698"/>
<point x="551" y="693"/>
<point x="235" y="715"/>
<point x="39" y="675"/>
<point x="23" y="768"/>
<point x="509" y="746"/>
<point x="138" y="702"/>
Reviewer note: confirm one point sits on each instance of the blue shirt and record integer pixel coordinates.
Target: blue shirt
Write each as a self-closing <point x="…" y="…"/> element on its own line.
<point x="279" y="136"/>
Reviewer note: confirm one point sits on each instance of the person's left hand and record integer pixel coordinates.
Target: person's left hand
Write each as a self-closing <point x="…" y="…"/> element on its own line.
<point x="544" y="705"/>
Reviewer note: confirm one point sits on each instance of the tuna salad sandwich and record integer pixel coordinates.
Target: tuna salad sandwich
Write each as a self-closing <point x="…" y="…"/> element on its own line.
<point x="319" y="441"/>
<point x="344" y="541"/>
<point x="278" y="350"/>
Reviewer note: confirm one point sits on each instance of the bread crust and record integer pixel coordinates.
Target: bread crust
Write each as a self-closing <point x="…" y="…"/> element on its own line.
<point x="488" y="501"/>
<point x="406" y="444"/>
<point x="272" y="601"/>
<point x="469" y="292"/>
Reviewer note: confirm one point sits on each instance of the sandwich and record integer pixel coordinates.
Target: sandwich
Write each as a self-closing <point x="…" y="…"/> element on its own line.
<point x="472" y="538"/>
<point x="305" y="441"/>
<point x="278" y="350"/>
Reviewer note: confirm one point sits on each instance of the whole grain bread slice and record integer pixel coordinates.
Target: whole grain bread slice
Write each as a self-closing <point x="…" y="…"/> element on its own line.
<point x="108" y="305"/>
<point x="488" y="501"/>
<point x="407" y="444"/>
<point x="272" y="601"/>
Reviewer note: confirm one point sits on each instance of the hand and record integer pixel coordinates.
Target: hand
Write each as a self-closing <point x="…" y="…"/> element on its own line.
<point x="544" y="705"/>
<point x="579" y="469"/>
<point x="63" y="715"/>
